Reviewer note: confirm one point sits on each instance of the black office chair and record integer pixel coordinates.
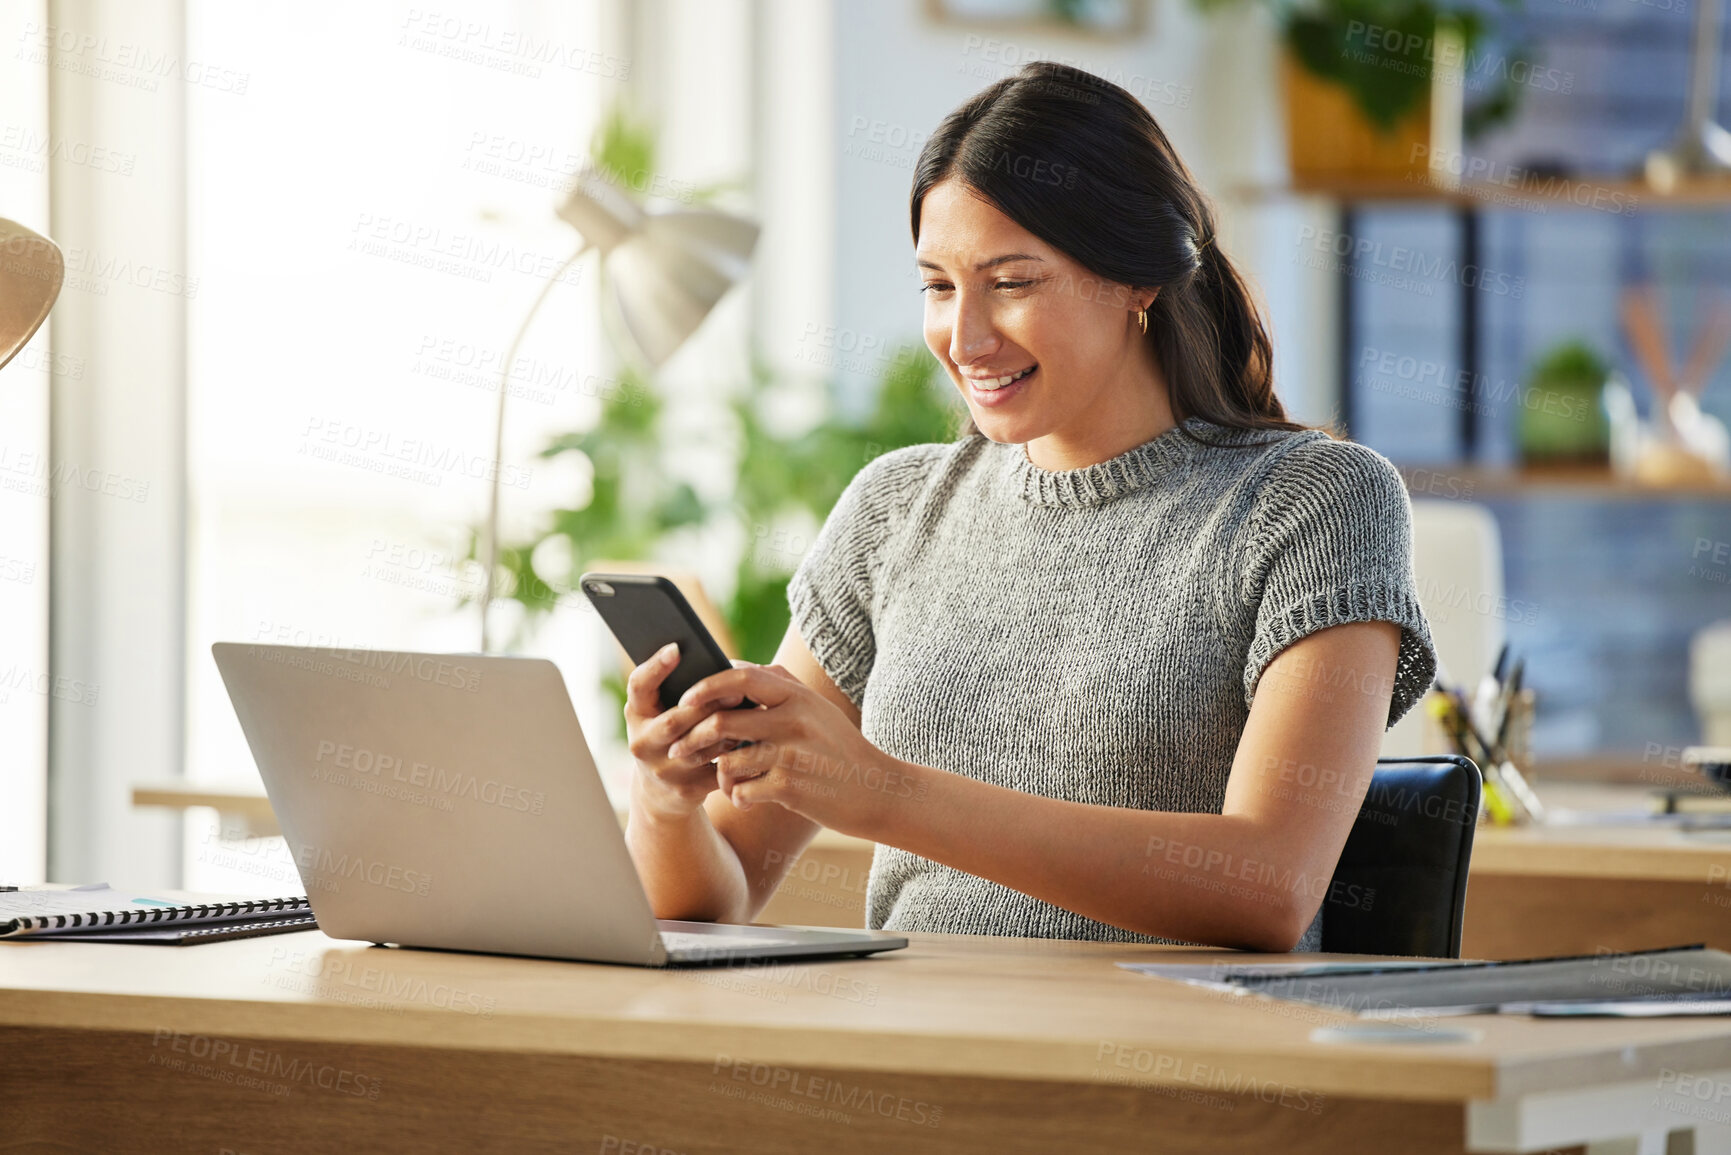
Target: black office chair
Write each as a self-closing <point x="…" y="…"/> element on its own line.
<point x="1401" y="885"/>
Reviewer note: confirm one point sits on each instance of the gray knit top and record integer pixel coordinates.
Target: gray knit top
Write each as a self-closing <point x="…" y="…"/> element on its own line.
<point x="1092" y="634"/>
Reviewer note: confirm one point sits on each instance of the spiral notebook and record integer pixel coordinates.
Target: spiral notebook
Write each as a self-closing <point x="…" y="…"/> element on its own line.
<point x="100" y="913"/>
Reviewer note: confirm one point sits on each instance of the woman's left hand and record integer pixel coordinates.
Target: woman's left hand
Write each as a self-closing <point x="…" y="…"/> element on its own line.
<point x="805" y="754"/>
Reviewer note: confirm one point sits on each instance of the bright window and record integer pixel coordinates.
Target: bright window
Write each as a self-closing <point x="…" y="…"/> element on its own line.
<point x="371" y="215"/>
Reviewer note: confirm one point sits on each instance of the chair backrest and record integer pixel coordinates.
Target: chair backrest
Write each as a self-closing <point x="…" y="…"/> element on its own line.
<point x="1401" y="885"/>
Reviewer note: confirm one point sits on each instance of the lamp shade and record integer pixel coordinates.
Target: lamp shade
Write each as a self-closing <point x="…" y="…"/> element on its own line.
<point x="31" y="270"/>
<point x="665" y="270"/>
<point x="664" y="273"/>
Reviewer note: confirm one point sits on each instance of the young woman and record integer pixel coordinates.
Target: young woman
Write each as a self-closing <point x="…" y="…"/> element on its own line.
<point x="1113" y="665"/>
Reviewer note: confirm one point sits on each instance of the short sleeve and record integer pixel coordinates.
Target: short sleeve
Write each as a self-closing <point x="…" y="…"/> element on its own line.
<point x="1330" y="542"/>
<point x="831" y="594"/>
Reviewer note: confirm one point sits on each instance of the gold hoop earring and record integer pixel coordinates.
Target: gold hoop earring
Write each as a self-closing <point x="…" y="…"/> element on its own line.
<point x="1142" y="320"/>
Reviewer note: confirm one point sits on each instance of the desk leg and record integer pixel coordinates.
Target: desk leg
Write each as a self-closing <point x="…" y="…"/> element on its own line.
<point x="1647" y="1143"/>
<point x="1713" y="1139"/>
<point x="1630" y="1118"/>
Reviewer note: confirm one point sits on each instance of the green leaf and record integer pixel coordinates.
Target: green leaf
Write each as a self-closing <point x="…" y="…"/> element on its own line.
<point x="623" y="149"/>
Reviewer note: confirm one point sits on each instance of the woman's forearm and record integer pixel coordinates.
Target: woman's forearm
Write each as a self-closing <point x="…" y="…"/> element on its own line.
<point x="1208" y="878"/>
<point x="689" y="870"/>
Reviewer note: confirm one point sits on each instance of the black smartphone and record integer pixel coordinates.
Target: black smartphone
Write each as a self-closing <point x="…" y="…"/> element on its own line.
<point x="645" y="612"/>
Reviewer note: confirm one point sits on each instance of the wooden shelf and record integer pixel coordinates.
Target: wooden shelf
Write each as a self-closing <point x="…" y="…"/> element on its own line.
<point x="1471" y="482"/>
<point x="237" y="805"/>
<point x="253" y="809"/>
<point x="1532" y="192"/>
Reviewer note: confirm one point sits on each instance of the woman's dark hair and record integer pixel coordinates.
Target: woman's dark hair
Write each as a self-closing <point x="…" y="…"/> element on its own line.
<point x="1081" y="164"/>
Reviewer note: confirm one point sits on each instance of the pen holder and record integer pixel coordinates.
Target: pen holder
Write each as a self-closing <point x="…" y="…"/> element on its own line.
<point x="1503" y="758"/>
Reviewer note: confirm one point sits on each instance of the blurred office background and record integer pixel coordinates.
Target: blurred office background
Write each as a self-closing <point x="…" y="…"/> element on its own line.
<point x="300" y="239"/>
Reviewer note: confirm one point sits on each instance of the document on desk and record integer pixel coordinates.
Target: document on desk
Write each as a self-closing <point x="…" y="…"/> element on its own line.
<point x="99" y="912"/>
<point x="1231" y="976"/>
<point x="1656" y="1008"/>
<point x="1678" y="980"/>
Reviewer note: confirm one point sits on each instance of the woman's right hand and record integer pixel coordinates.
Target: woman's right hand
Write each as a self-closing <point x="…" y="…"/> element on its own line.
<point x="668" y="787"/>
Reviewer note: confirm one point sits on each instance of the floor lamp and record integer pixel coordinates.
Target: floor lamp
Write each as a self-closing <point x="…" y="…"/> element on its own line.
<point x="662" y="274"/>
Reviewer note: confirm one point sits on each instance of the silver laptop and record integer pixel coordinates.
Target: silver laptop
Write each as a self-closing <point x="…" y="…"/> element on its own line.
<point x="450" y="801"/>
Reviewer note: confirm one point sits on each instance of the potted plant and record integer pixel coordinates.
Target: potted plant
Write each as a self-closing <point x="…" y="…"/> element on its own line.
<point x="1376" y="89"/>
<point x="1562" y="421"/>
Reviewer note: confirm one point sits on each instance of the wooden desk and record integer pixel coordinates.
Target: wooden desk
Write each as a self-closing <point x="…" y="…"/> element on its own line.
<point x="300" y="1043"/>
<point x="1576" y="889"/>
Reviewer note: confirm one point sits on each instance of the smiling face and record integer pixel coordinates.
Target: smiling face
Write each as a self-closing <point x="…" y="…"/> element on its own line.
<point x="1039" y="347"/>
